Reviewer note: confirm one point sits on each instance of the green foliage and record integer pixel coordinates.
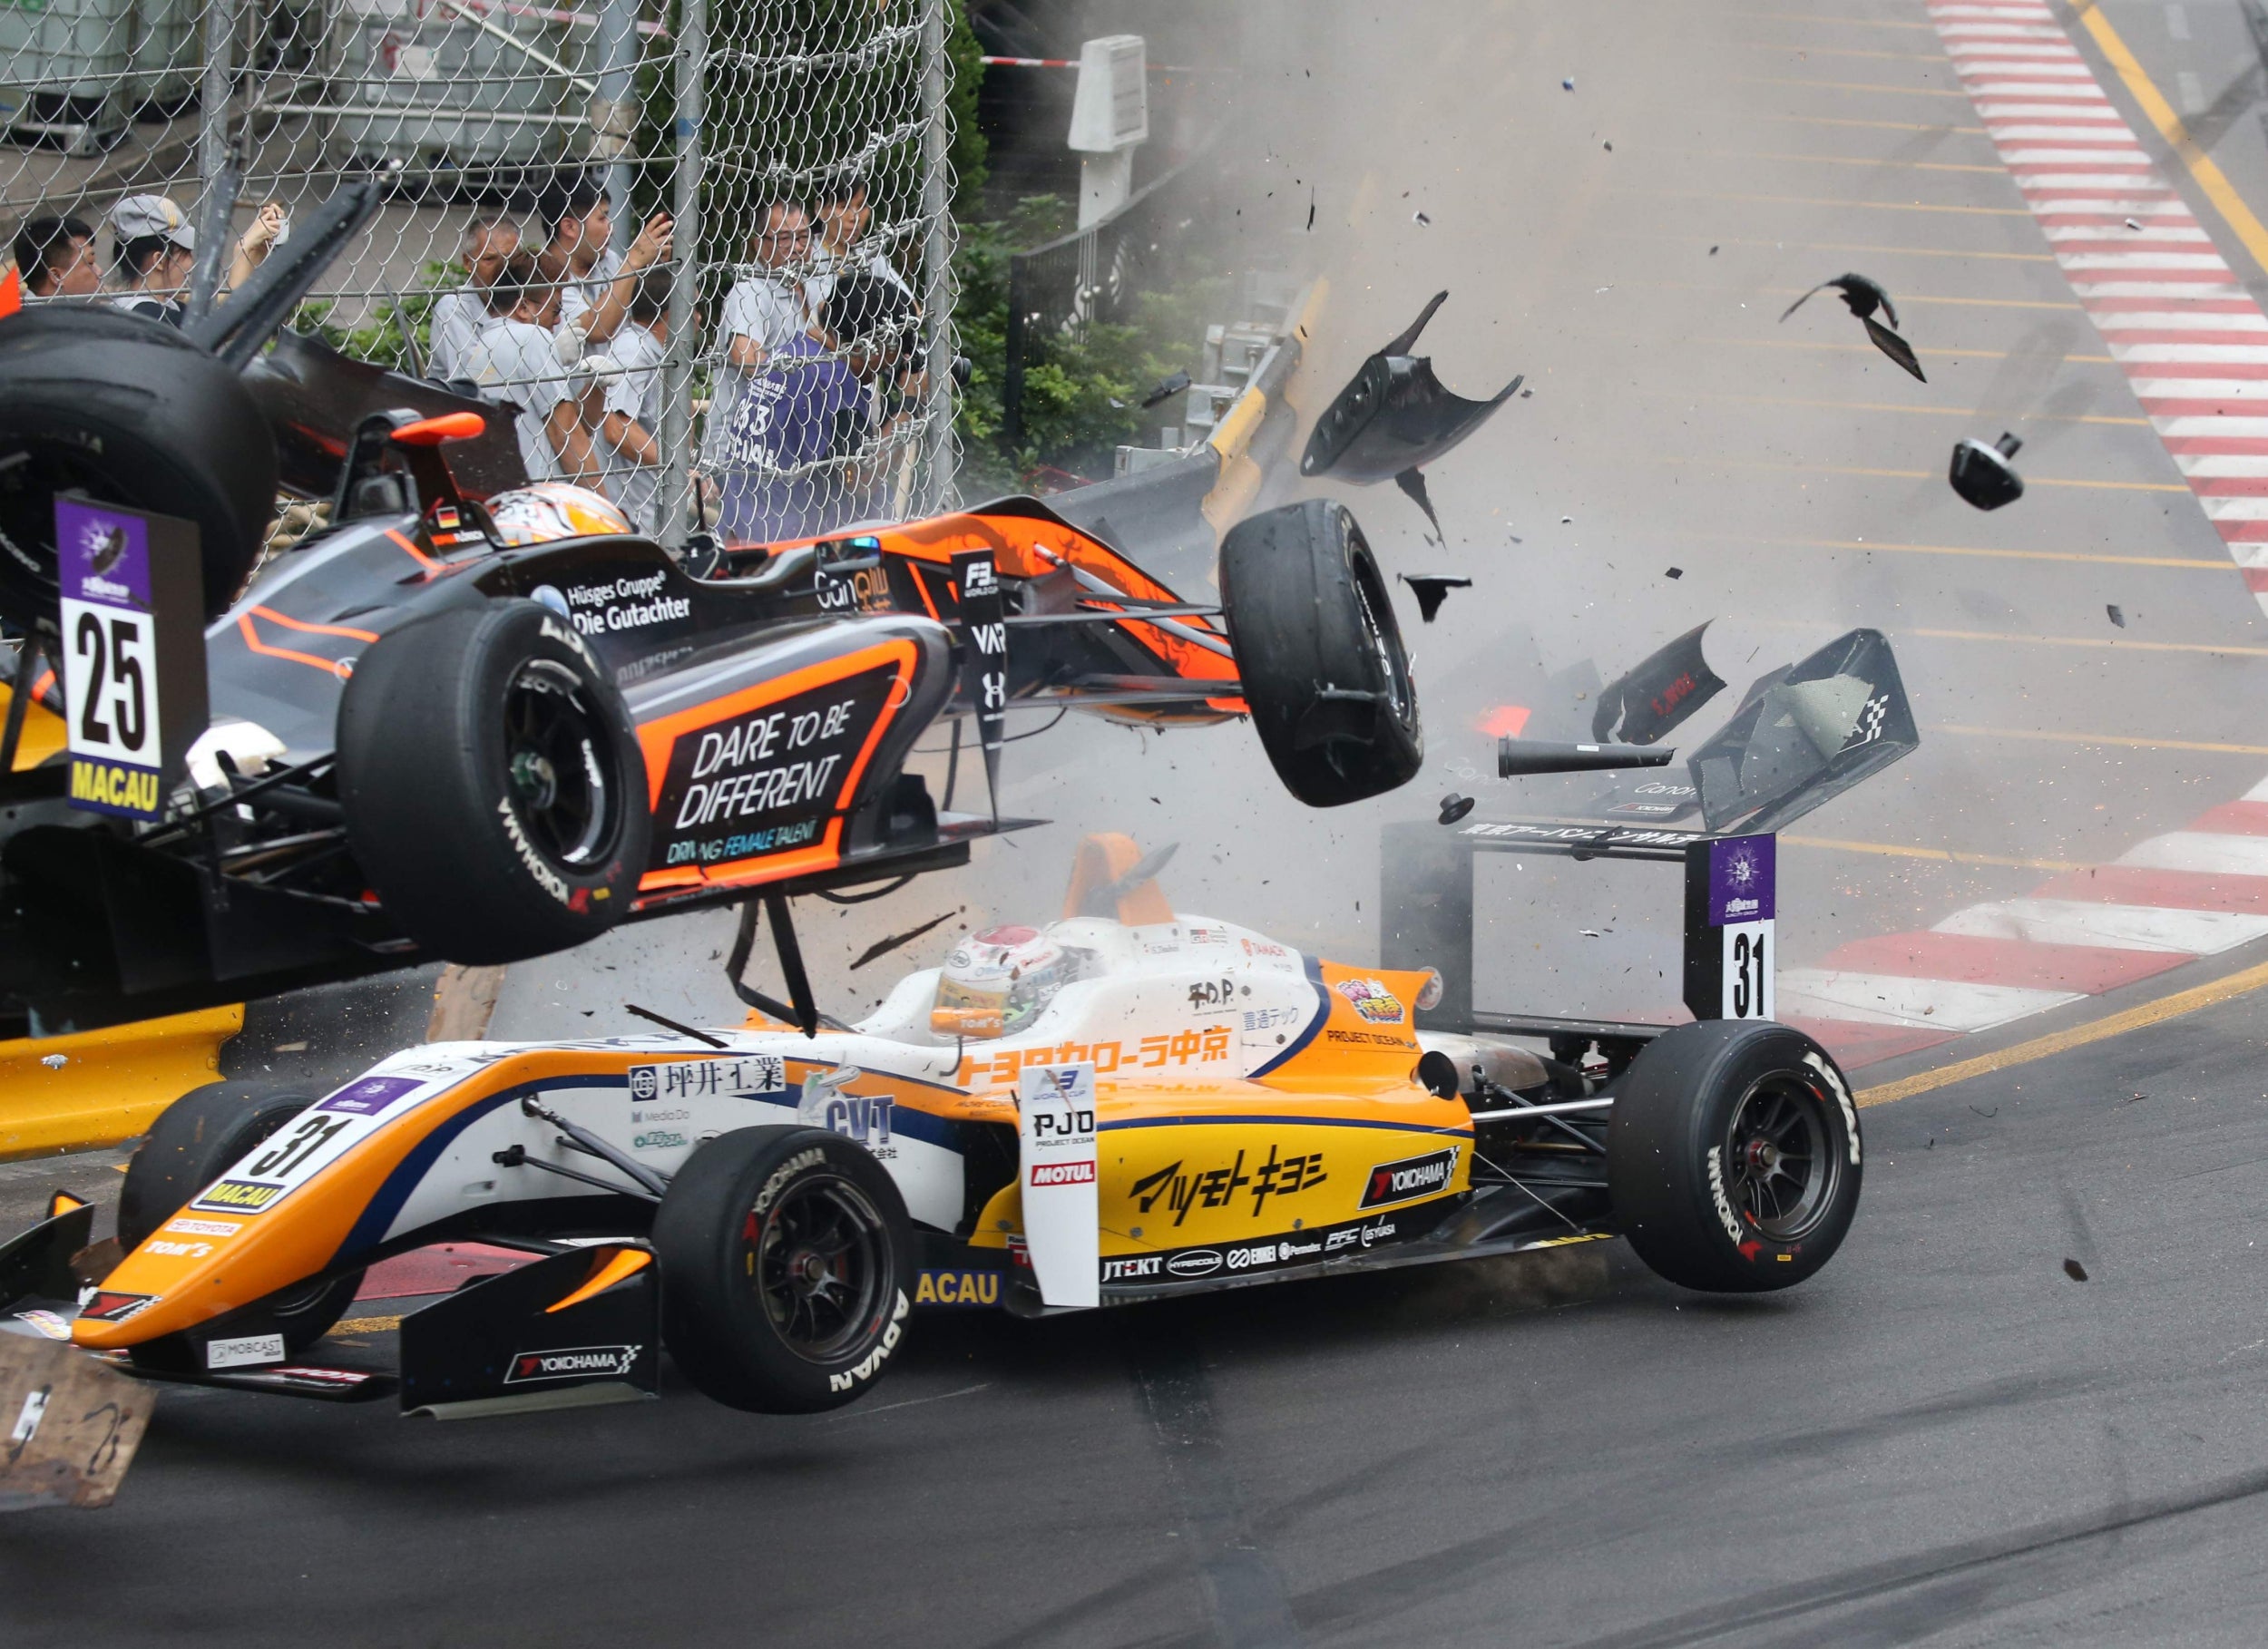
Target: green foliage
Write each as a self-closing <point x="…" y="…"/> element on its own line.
<point x="378" y="340"/>
<point x="1081" y="392"/>
<point x="968" y="153"/>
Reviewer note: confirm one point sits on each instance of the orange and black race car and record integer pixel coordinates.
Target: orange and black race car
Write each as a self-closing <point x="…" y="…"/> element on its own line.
<point x="480" y="723"/>
<point x="1121" y="1104"/>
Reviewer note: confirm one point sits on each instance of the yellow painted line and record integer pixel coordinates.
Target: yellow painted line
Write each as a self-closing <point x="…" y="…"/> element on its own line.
<point x="2062" y="1041"/>
<point x="1966" y="354"/>
<point x="2004" y="638"/>
<point x="1841" y="159"/>
<point x="1834" y="246"/>
<point x="2080" y="556"/>
<point x="1830" y="119"/>
<point x="2209" y="177"/>
<point x="1851" y="469"/>
<point x="1885" y="406"/>
<point x="1839" y="85"/>
<point x="1944" y="855"/>
<point x="1886" y="206"/>
<point x="2110" y="740"/>
<point x="110" y="1085"/>
<point x="1864" y="22"/>
<point x="2116" y="643"/>
<point x="364" y="1325"/>
<point x="1724" y="290"/>
<point x="1808" y="51"/>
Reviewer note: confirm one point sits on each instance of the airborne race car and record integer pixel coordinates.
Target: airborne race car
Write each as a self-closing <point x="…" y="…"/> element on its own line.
<point x="1127" y="1104"/>
<point x="428" y="732"/>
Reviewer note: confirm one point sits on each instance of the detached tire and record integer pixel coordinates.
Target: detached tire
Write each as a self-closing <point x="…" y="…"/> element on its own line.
<point x="1733" y="1156"/>
<point x="1320" y="654"/>
<point x="495" y="792"/>
<point x="193" y="1142"/>
<point x="787" y="1269"/>
<point x="130" y="412"/>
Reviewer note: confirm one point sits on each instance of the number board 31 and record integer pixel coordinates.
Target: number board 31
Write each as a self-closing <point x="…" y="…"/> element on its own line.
<point x="134" y="652"/>
<point x="1730" y="944"/>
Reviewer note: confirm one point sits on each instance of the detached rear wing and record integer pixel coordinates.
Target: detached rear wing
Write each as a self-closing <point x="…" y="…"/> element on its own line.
<point x="1731" y="907"/>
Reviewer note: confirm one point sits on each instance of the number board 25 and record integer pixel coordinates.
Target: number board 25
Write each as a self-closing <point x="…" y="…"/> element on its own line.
<point x="134" y="652"/>
<point x="1730" y="944"/>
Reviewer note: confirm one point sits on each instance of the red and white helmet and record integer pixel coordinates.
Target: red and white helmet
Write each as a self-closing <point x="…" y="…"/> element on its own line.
<point x="547" y="510"/>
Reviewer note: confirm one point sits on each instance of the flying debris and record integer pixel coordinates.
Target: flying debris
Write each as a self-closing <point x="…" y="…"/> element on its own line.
<point x="1862" y="297"/>
<point x="1395" y="416"/>
<point x="1658" y="693"/>
<point x="1431" y="588"/>
<point x="1674" y="572"/>
<point x="2117" y="614"/>
<point x="1523" y="757"/>
<point x="883" y="946"/>
<point x="1567" y="84"/>
<point x="2075" y="1271"/>
<point x="1420" y="218"/>
<point x="1454" y="807"/>
<point x="1166" y="389"/>
<point x="1983" y="476"/>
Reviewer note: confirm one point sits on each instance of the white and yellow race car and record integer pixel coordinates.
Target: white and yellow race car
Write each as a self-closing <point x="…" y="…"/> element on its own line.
<point x="1120" y="1104"/>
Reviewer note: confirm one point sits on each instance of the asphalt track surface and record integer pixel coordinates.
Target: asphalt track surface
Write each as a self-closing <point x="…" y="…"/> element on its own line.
<point x="1944" y="1436"/>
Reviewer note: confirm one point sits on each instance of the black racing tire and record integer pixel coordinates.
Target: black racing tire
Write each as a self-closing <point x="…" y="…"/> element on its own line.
<point x="1320" y="654"/>
<point x="1733" y="1156"/>
<point x="192" y="1143"/>
<point x="129" y="410"/>
<point x="494" y="791"/>
<point x="787" y="1269"/>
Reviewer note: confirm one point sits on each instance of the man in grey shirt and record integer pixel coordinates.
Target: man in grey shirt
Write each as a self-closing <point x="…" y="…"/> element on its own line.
<point x="763" y="312"/>
<point x="458" y="315"/>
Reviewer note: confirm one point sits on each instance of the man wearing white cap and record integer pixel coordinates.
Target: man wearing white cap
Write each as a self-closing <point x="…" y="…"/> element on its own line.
<point x="156" y="253"/>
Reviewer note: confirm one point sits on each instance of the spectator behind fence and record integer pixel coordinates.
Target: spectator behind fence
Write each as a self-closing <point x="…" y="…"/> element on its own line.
<point x="515" y="361"/>
<point x="629" y="451"/>
<point x="764" y="312"/>
<point x="56" y="258"/>
<point x="459" y="316"/>
<point x="775" y="481"/>
<point x="843" y="216"/>
<point x="156" y="254"/>
<point x="597" y="280"/>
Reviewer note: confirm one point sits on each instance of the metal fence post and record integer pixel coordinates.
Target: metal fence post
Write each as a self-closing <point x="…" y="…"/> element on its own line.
<point x="212" y="97"/>
<point x="936" y="257"/>
<point x="685" y="131"/>
<point x="613" y="112"/>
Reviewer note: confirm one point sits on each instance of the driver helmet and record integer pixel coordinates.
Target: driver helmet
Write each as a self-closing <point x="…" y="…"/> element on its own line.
<point x="996" y="983"/>
<point x="548" y="510"/>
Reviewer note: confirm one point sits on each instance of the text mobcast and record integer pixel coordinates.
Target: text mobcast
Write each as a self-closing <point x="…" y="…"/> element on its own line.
<point x="765" y="780"/>
<point x="1411" y="1177"/>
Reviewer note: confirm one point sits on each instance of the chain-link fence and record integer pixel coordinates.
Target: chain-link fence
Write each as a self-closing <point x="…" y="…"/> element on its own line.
<point x="775" y="363"/>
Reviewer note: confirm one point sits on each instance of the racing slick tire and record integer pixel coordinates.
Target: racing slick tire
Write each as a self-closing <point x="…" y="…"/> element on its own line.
<point x="129" y="410"/>
<point x="494" y="793"/>
<point x="787" y="1269"/>
<point x="1733" y="1156"/>
<point x="192" y="1143"/>
<point x="1320" y="654"/>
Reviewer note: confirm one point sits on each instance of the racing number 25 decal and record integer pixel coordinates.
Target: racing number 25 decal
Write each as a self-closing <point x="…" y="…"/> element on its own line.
<point x="108" y="686"/>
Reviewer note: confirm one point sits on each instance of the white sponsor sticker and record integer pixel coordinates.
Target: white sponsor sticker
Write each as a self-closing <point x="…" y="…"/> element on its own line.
<point x="248" y="1350"/>
<point x="1055" y="1107"/>
<point x="188" y="1227"/>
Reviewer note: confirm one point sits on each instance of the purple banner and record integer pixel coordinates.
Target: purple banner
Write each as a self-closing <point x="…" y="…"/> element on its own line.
<point x="1742" y="872"/>
<point x="104" y="552"/>
<point x="369" y="1096"/>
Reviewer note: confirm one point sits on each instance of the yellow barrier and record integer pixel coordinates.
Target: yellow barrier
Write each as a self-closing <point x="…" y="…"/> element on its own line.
<point x="43" y="731"/>
<point x="110" y="1084"/>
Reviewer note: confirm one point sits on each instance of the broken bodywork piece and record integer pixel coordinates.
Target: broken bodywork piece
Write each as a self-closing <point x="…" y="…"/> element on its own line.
<point x="1394" y="416"/>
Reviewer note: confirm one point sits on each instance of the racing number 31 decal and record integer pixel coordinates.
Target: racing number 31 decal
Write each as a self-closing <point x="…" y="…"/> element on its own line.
<point x="1730" y="909"/>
